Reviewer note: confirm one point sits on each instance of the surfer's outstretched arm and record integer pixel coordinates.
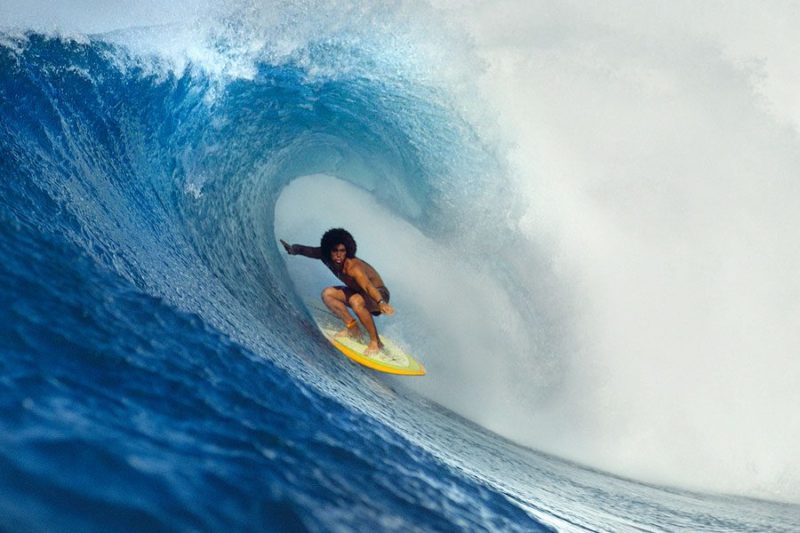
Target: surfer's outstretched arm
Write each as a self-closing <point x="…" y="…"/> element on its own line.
<point x="314" y="252"/>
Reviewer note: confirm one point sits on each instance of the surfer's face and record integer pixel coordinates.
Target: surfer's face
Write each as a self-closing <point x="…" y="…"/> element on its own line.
<point x="338" y="254"/>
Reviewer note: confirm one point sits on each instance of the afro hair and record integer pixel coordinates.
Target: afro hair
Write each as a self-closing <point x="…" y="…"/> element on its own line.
<point x="335" y="236"/>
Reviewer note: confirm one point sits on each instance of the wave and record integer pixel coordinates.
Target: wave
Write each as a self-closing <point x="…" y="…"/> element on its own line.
<point x="549" y="297"/>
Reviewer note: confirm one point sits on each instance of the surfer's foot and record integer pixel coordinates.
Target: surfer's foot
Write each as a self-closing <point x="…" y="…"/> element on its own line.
<point x="373" y="348"/>
<point x="351" y="331"/>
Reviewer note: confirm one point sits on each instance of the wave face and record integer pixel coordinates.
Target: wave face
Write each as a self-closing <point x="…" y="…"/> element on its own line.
<point x="149" y="320"/>
<point x="160" y="367"/>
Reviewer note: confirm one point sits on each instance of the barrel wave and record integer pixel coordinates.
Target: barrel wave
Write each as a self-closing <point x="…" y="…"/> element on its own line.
<point x="160" y="368"/>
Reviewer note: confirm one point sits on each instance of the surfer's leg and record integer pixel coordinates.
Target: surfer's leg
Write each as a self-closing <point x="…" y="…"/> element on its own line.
<point x="335" y="299"/>
<point x="357" y="304"/>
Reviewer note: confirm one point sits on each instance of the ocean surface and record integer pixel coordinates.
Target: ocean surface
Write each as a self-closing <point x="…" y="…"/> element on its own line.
<point x="159" y="366"/>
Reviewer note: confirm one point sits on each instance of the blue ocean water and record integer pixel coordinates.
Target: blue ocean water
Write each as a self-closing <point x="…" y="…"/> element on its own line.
<point x="159" y="370"/>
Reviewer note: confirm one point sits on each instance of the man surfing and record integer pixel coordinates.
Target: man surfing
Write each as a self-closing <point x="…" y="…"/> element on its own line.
<point x="363" y="290"/>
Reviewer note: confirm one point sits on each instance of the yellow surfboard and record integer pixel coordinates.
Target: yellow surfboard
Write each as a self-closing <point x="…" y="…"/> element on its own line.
<point x="391" y="359"/>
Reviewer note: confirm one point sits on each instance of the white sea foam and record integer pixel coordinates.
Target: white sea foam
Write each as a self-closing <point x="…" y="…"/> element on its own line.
<point x="658" y="148"/>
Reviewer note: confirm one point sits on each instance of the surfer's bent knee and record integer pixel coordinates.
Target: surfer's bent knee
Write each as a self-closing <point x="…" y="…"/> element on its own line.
<point x="328" y="293"/>
<point x="356" y="301"/>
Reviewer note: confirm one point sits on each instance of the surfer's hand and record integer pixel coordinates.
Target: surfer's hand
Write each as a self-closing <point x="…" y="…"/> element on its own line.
<point x="386" y="309"/>
<point x="287" y="246"/>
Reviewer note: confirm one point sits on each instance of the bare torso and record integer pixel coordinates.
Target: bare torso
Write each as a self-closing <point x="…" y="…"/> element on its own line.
<point x="349" y="270"/>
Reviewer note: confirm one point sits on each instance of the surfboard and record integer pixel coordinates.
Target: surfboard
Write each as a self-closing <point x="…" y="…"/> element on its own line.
<point x="392" y="359"/>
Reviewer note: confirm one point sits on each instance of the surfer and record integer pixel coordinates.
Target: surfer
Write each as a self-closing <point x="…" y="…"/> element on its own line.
<point x="363" y="290"/>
